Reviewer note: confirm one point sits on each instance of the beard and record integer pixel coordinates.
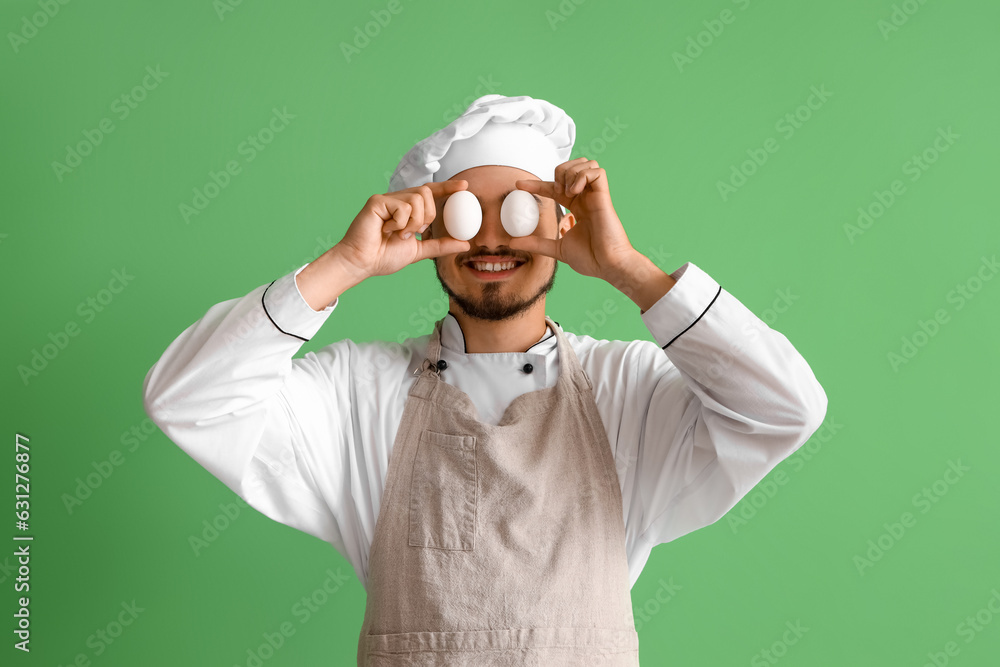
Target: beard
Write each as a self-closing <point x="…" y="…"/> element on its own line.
<point x="494" y="305"/>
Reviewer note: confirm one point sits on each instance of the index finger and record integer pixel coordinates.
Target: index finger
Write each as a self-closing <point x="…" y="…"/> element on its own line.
<point x="543" y="188"/>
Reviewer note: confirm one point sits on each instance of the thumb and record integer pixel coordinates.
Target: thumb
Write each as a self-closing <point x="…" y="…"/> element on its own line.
<point x="441" y="246"/>
<point x="536" y="244"/>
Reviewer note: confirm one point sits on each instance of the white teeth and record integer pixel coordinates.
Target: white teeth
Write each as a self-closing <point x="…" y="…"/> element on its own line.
<point x="490" y="266"/>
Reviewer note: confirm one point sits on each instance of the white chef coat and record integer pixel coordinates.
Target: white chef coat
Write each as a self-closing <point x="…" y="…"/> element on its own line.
<point x="695" y="420"/>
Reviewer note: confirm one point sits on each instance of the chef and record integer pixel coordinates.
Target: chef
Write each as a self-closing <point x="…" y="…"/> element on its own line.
<point x="497" y="484"/>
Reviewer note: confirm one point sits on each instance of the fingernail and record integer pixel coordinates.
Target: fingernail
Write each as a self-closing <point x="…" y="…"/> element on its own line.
<point x="407" y="235"/>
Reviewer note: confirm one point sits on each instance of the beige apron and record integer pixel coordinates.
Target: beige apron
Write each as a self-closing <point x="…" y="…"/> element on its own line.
<point x="500" y="545"/>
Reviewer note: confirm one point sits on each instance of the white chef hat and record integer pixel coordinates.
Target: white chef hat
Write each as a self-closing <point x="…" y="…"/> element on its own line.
<point x="522" y="132"/>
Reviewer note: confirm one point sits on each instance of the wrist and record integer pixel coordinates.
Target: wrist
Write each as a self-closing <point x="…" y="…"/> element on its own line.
<point x="324" y="279"/>
<point x="342" y="259"/>
<point x="641" y="280"/>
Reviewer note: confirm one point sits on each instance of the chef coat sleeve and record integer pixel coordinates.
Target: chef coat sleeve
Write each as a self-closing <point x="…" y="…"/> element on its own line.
<point x="228" y="392"/>
<point x="721" y="404"/>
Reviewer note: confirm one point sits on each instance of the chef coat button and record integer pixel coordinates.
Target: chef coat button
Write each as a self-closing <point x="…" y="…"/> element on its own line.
<point x="442" y="364"/>
<point x="528" y="368"/>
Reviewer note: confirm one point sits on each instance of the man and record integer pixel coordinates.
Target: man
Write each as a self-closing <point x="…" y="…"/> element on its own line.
<point x="497" y="484"/>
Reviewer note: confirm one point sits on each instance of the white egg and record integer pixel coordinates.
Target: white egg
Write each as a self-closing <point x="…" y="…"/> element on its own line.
<point x="463" y="216"/>
<point x="519" y="213"/>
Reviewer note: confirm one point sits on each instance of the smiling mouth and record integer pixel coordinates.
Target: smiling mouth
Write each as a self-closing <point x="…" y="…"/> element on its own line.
<point x="493" y="268"/>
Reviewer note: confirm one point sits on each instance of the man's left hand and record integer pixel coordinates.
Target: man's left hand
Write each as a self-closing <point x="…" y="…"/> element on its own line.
<point x="597" y="244"/>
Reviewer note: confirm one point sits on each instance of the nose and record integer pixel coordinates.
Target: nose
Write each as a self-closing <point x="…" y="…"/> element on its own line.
<point x="492" y="234"/>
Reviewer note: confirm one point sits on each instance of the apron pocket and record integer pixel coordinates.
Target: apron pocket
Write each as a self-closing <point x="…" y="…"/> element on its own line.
<point x="443" y="492"/>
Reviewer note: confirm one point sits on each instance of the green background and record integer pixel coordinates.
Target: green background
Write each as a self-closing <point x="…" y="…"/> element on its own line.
<point x="681" y="128"/>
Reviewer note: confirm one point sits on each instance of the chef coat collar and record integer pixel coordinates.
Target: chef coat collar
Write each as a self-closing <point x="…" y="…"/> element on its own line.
<point x="452" y="338"/>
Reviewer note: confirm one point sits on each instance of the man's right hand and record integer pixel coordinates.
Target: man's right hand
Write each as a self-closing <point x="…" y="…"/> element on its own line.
<point x="381" y="240"/>
<point x="383" y="237"/>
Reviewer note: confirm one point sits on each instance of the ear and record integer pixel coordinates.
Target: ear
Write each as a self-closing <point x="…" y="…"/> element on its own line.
<point x="567" y="223"/>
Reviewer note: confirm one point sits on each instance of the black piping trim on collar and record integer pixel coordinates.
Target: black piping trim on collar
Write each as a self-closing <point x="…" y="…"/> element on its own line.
<point x="551" y="334"/>
<point x="698" y="318"/>
<point x="465" y="348"/>
<point x="264" y="306"/>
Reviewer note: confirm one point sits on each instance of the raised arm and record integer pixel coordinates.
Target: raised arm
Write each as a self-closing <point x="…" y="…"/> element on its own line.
<point x="723" y="402"/>
<point x="228" y="392"/>
<point x="707" y="416"/>
<point x="276" y="430"/>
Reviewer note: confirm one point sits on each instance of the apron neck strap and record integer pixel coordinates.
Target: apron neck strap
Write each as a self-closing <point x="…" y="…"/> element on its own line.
<point x="570" y="371"/>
